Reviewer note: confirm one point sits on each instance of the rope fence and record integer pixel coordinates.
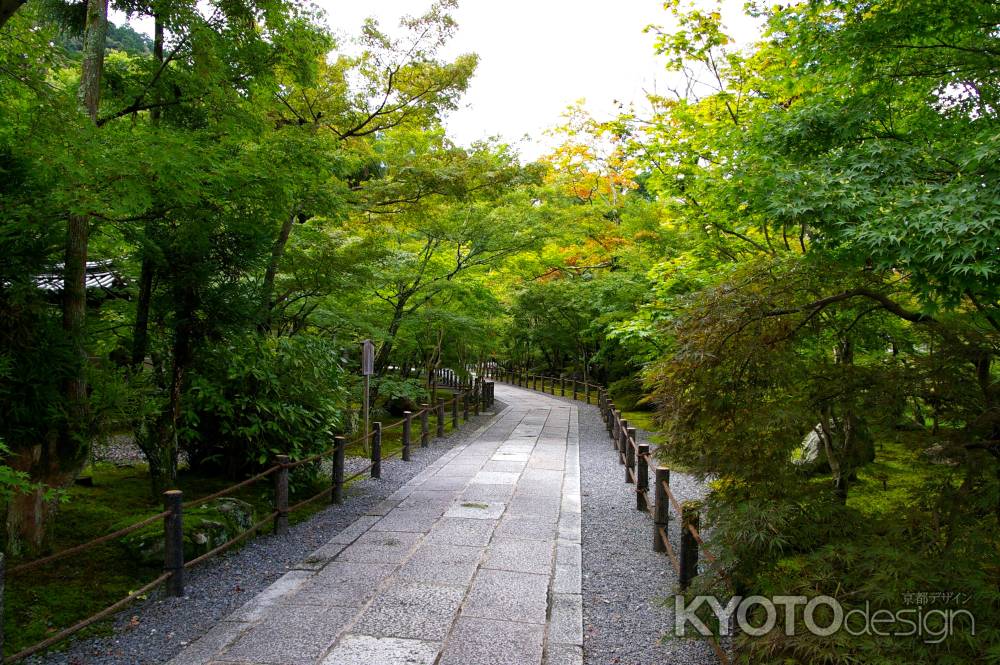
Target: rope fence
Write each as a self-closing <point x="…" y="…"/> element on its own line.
<point x="478" y="394"/>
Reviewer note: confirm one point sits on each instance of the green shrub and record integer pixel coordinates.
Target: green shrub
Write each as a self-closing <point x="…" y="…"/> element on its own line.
<point x="401" y="395"/>
<point x="629" y="395"/>
<point x="258" y="396"/>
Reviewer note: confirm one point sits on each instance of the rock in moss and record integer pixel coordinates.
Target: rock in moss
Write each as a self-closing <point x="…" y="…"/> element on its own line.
<point x="205" y="527"/>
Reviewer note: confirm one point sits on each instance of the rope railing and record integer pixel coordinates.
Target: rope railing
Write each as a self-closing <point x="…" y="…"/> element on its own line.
<point x="107" y="611"/>
<point x="637" y="459"/>
<point x="85" y="546"/>
<point x="481" y="394"/>
<point x="232" y="488"/>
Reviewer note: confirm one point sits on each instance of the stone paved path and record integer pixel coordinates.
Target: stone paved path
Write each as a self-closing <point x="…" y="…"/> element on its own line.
<point x="476" y="561"/>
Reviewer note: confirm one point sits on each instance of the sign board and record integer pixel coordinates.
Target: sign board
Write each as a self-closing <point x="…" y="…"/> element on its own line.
<point x="367" y="358"/>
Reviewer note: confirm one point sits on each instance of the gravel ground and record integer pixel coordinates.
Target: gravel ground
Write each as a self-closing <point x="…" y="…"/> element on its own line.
<point x="155" y="630"/>
<point x="120" y="450"/>
<point x="625" y="583"/>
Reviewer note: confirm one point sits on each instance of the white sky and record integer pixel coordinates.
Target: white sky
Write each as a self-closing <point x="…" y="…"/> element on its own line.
<point x="539" y="56"/>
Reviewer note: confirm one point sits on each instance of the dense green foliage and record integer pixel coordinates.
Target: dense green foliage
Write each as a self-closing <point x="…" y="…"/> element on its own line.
<point x="820" y="259"/>
<point x="801" y="241"/>
<point x="259" y="204"/>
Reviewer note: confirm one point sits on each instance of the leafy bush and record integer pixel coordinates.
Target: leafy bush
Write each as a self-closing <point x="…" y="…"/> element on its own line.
<point x="400" y="394"/>
<point x="629" y="396"/>
<point x="258" y="396"/>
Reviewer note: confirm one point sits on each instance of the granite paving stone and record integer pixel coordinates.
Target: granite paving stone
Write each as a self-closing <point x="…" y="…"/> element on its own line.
<point x="416" y="520"/>
<point x="526" y="527"/>
<point x="460" y="531"/>
<point x="444" y="483"/>
<point x="566" y="624"/>
<point x="412" y="610"/>
<point x="487" y="493"/>
<point x="260" y="605"/>
<point x="504" y="466"/>
<point x="428" y="499"/>
<point x="442" y="564"/>
<point x="523" y="556"/>
<point x="380" y="547"/>
<point x="509" y="596"/>
<point x="495" y="478"/>
<point x="369" y="650"/>
<point x="476" y="510"/>
<point x="290" y="635"/>
<point x="487" y="642"/>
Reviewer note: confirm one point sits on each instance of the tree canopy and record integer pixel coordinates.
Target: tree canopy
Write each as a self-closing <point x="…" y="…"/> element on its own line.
<point x="790" y="261"/>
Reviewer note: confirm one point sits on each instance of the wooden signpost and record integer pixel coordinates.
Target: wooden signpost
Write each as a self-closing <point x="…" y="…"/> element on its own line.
<point x="367" y="369"/>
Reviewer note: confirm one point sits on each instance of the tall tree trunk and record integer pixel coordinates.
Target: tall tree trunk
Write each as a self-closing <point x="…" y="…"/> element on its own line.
<point x="56" y="462"/>
<point x="277" y="252"/>
<point x="140" y="331"/>
<point x="833" y="456"/>
<point x="78" y="229"/>
<point x="51" y="465"/>
<point x="8" y="8"/>
<point x="384" y="353"/>
<point x="93" y="57"/>
<point x="163" y="473"/>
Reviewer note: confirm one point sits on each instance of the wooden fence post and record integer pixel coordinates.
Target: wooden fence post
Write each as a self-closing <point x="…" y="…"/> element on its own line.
<point x="642" y="477"/>
<point x="475" y="399"/>
<point x="425" y="430"/>
<point x="407" y="424"/>
<point x="611" y="419"/>
<point x="630" y="443"/>
<point x="622" y="434"/>
<point x="661" y="509"/>
<point x="376" y="450"/>
<point x="173" y="543"/>
<point x="574" y="389"/>
<point x="534" y="382"/>
<point x="440" y="418"/>
<point x="337" y="479"/>
<point x="562" y="387"/>
<point x="689" y="546"/>
<point x="454" y="411"/>
<point x="281" y="496"/>
<point x="465" y="406"/>
<point x="1" y="604"/>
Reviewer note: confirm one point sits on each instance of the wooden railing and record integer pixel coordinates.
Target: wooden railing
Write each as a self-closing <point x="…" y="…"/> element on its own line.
<point x="478" y="395"/>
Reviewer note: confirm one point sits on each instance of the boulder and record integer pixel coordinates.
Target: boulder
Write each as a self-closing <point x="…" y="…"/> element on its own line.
<point x="811" y="457"/>
<point x="205" y="527"/>
<point x="397" y="405"/>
